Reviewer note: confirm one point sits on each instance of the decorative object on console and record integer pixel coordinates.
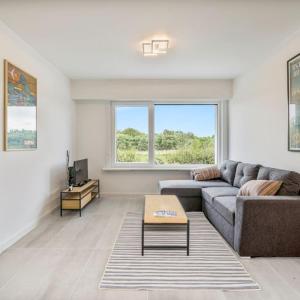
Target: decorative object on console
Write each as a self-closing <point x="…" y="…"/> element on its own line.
<point x="165" y="213"/>
<point x="20" y="113"/>
<point x="207" y="173"/>
<point x="260" y="188"/>
<point x="293" y="72"/>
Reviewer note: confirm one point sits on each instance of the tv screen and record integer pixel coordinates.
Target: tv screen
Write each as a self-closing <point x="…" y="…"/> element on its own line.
<point x="81" y="171"/>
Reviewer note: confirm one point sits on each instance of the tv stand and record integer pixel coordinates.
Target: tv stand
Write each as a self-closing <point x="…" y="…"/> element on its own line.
<point x="79" y="197"/>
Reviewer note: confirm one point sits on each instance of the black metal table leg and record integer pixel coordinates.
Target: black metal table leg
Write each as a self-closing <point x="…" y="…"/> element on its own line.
<point x="142" y="237"/>
<point x="188" y="238"/>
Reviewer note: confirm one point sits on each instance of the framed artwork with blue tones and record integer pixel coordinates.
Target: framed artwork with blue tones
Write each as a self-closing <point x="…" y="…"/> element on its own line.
<point x="293" y="73"/>
<point x="20" y="109"/>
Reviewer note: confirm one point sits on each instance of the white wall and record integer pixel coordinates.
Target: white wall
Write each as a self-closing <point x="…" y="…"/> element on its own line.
<point x="30" y="180"/>
<point x="147" y="89"/>
<point x="258" y="112"/>
<point x="93" y="121"/>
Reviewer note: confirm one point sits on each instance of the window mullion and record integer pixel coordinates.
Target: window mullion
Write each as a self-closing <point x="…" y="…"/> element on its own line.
<point x="151" y="133"/>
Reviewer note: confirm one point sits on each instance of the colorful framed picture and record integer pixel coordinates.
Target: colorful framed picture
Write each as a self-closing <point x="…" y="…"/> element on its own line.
<point x="20" y="109"/>
<point x="293" y="72"/>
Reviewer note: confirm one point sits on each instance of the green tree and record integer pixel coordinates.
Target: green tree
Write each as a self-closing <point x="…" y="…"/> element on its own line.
<point x="172" y="147"/>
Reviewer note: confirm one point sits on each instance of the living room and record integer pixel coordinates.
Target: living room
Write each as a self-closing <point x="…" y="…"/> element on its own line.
<point x="150" y="149"/>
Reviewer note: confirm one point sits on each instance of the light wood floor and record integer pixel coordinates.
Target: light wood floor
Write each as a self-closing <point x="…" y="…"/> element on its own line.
<point x="64" y="258"/>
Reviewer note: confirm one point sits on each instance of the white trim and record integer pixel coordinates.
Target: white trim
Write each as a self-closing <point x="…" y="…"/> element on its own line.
<point x="54" y="204"/>
<point x="155" y="168"/>
<point x="122" y="194"/>
<point x="151" y="131"/>
<point x="223" y="131"/>
<point x="217" y="131"/>
<point x="113" y="134"/>
<point x="108" y="138"/>
<point x="221" y="136"/>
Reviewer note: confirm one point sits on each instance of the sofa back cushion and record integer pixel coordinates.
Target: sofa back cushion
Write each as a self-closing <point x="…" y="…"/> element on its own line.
<point x="290" y="180"/>
<point x="245" y="172"/>
<point x="260" y="188"/>
<point x="208" y="173"/>
<point x="227" y="170"/>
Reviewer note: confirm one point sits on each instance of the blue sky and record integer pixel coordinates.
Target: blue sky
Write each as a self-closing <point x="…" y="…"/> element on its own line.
<point x="199" y="119"/>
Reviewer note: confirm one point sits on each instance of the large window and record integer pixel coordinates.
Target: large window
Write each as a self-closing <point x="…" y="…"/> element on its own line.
<point x="154" y="134"/>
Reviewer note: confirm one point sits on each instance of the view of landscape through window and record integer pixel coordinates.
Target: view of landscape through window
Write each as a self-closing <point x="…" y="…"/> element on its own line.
<point x="132" y="134"/>
<point x="183" y="134"/>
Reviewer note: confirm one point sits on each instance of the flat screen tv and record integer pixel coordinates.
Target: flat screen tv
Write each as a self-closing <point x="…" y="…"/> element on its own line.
<point x="81" y="172"/>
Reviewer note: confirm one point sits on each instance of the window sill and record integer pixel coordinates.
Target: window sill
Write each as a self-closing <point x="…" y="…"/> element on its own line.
<point x="166" y="168"/>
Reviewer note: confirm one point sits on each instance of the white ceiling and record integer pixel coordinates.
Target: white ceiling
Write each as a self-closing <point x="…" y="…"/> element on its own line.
<point x="102" y="39"/>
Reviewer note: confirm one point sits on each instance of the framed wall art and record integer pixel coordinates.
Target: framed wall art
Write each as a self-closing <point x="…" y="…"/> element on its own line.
<point x="20" y="109"/>
<point x="293" y="72"/>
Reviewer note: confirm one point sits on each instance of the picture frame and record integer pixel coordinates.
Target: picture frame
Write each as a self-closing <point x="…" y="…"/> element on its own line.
<point x="20" y="109"/>
<point x="293" y="89"/>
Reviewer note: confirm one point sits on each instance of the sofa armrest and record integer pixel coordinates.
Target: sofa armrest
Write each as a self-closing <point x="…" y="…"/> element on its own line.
<point x="267" y="226"/>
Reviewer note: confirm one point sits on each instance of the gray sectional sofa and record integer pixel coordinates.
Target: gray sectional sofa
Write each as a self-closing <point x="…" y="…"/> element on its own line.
<point x="253" y="226"/>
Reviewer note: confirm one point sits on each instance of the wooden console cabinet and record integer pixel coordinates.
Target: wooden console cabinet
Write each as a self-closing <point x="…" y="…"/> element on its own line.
<point x="79" y="197"/>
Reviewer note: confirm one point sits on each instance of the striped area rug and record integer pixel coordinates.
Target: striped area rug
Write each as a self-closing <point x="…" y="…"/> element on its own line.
<point x="211" y="264"/>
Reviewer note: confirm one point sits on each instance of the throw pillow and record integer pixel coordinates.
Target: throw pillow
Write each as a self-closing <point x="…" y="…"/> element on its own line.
<point x="260" y="188"/>
<point x="207" y="173"/>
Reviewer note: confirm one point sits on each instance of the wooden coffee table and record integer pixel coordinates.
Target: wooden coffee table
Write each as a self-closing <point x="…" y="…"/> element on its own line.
<point x="154" y="203"/>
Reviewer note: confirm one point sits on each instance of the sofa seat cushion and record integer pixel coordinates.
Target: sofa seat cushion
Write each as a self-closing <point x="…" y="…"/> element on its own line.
<point x="227" y="170"/>
<point x="244" y="173"/>
<point x="225" y="206"/>
<point x="208" y="194"/>
<point x="290" y="180"/>
<point x="187" y="188"/>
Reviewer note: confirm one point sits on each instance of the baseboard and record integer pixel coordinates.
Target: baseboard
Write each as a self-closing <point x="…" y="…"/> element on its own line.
<point x="21" y="233"/>
<point x="117" y="194"/>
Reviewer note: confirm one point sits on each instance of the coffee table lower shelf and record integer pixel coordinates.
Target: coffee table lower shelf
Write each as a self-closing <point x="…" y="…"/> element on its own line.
<point x="166" y="247"/>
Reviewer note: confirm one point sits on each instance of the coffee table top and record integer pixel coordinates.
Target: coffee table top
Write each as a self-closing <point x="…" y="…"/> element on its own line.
<point x="163" y="202"/>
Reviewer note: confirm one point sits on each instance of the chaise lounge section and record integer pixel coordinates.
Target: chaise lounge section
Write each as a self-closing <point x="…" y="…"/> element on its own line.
<point x="253" y="226"/>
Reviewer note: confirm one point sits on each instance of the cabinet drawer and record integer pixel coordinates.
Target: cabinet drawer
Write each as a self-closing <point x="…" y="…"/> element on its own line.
<point x="75" y="204"/>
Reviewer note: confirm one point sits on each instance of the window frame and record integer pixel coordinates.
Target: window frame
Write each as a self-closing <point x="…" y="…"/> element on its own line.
<point x="151" y="135"/>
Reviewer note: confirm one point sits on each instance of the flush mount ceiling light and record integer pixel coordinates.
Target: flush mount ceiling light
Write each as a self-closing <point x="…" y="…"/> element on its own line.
<point x="155" y="47"/>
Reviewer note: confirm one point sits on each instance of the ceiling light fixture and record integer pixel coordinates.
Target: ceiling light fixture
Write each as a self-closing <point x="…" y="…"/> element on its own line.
<point x="155" y="47"/>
